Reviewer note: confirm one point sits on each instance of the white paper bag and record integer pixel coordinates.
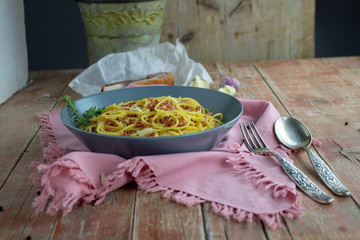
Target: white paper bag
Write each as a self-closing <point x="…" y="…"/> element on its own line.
<point x="164" y="57"/>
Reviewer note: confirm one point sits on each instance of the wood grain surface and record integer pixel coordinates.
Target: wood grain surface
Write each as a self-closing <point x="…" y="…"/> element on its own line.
<point x="238" y="30"/>
<point x="323" y="93"/>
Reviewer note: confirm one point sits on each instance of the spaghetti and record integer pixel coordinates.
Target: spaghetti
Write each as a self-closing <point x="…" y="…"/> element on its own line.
<point x="153" y="117"/>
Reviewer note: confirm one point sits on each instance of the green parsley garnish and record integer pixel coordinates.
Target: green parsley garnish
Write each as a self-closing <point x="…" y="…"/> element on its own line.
<point x="82" y="120"/>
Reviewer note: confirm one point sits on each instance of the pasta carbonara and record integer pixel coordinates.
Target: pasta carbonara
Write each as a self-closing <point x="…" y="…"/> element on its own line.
<point x="153" y="117"/>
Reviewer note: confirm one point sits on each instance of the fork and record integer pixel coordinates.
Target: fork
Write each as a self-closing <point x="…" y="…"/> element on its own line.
<point x="257" y="145"/>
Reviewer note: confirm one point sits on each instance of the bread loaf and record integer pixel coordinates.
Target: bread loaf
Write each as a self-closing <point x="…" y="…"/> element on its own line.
<point x="164" y="78"/>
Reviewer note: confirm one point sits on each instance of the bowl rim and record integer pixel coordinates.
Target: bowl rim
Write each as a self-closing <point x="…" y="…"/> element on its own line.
<point x="160" y="137"/>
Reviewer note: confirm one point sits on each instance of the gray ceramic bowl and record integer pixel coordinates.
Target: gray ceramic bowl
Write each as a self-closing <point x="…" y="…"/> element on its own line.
<point x="128" y="147"/>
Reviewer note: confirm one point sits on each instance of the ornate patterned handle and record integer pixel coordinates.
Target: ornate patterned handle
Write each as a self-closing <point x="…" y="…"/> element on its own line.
<point x="302" y="181"/>
<point x="326" y="174"/>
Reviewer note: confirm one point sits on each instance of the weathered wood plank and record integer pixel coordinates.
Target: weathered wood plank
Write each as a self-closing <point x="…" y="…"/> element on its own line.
<point x="238" y="30"/>
<point x="18" y="115"/>
<point x="219" y="228"/>
<point x="310" y="91"/>
<point x="159" y="218"/>
<point x="112" y="219"/>
<point x="336" y="221"/>
<point x="348" y="67"/>
<point x="17" y="193"/>
<point x="16" y="198"/>
<point x="252" y="85"/>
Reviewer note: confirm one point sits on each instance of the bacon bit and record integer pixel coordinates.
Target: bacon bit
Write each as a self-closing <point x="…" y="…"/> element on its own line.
<point x="167" y="121"/>
<point x="198" y="108"/>
<point x="141" y="124"/>
<point x="149" y="120"/>
<point x="127" y="133"/>
<point x="108" y="129"/>
<point x="187" y="108"/>
<point x="181" y="122"/>
<point x="152" y="103"/>
<point x="167" y="105"/>
<point x="110" y="122"/>
<point x="150" y="134"/>
<point x="130" y="104"/>
<point x="209" y="114"/>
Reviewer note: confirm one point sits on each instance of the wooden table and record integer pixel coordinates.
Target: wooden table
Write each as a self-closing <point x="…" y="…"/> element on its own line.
<point x="323" y="93"/>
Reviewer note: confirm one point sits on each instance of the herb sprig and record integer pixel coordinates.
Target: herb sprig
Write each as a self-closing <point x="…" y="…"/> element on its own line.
<point x="82" y="120"/>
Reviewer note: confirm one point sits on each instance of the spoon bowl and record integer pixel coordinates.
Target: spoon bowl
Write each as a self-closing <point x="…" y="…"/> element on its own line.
<point x="294" y="134"/>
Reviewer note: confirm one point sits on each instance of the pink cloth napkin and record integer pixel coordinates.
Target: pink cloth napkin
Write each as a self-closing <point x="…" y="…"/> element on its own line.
<point x="237" y="183"/>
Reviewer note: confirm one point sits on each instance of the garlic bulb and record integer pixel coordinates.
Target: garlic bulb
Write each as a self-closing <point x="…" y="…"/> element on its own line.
<point x="230" y="82"/>
<point x="228" y="89"/>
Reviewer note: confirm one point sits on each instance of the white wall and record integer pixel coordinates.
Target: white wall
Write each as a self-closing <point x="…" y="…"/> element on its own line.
<point x="13" y="51"/>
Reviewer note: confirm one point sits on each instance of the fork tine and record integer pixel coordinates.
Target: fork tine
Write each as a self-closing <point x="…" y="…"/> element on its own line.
<point x="247" y="127"/>
<point x="245" y="137"/>
<point x="257" y="132"/>
<point x="257" y="144"/>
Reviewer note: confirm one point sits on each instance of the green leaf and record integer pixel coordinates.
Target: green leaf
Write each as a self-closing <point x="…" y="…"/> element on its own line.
<point x="82" y="120"/>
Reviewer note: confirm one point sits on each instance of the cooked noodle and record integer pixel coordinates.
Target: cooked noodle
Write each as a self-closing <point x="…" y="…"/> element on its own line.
<point x="153" y="117"/>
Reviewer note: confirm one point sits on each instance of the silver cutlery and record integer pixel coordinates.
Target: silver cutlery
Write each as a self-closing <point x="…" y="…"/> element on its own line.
<point x="294" y="134"/>
<point x="257" y="145"/>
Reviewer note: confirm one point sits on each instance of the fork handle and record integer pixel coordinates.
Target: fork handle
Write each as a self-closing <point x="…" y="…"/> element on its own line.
<point x="328" y="177"/>
<point x="302" y="181"/>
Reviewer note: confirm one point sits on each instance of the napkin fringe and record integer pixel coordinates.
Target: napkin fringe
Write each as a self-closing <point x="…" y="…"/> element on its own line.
<point x="146" y="180"/>
<point x="51" y="151"/>
<point x="45" y="179"/>
<point x="47" y="134"/>
<point x="274" y="220"/>
<point x="251" y="173"/>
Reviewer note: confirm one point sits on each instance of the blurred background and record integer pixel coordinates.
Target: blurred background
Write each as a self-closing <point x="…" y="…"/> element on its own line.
<point x="55" y="34"/>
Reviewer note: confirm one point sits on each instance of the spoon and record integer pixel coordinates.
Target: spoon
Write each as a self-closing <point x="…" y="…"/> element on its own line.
<point x="294" y="134"/>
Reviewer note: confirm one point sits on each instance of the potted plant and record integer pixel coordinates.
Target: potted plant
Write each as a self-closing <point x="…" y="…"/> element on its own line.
<point x="120" y="25"/>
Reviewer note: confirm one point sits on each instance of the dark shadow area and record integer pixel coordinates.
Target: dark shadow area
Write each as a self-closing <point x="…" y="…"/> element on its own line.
<point x="337" y="28"/>
<point x="55" y="35"/>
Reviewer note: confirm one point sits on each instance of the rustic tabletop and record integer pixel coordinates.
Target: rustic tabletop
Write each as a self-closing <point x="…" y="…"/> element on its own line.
<point x="323" y="93"/>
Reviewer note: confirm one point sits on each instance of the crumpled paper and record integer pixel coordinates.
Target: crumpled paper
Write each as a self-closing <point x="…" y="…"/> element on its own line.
<point x="115" y="67"/>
